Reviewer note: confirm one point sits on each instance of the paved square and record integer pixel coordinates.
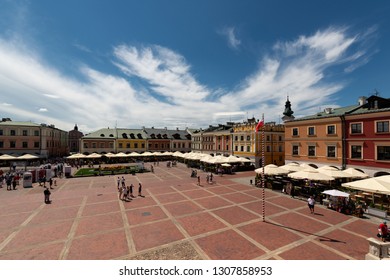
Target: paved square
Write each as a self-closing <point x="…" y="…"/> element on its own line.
<point x="175" y="219"/>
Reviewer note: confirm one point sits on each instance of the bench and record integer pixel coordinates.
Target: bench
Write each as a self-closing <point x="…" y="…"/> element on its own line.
<point x="377" y="212"/>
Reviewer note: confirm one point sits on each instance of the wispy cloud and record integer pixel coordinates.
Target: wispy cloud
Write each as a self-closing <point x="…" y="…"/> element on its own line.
<point x="156" y="86"/>
<point x="230" y="34"/>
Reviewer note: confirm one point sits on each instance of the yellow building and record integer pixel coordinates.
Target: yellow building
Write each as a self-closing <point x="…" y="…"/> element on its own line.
<point x="248" y="143"/>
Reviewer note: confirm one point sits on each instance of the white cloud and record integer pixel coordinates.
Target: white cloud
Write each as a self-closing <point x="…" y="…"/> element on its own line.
<point x="156" y="86"/>
<point x="230" y="34"/>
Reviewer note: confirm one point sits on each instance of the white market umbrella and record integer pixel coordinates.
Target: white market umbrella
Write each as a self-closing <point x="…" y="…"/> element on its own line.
<point x="134" y="154"/>
<point x="146" y="154"/>
<point x="78" y="155"/>
<point x="310" y="174"/>
<point x="292" y="167"/>
<point x="233" y="159"/>
<point x="109" y="155"/>
<point x="94" y="155"/>
<point x="380" y="185"/>
<point x="7" y="157"/>
<point x="356" y="173"/>
<point x="225" y="164"/>
<point x="271" y="169"/>
<point x="336" y="193"/>
<point x="333" y="172"/>
<point x="28" y="156"/>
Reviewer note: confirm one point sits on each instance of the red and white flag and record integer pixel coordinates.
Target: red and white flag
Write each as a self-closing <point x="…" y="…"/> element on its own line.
<point x="259" y="125"/>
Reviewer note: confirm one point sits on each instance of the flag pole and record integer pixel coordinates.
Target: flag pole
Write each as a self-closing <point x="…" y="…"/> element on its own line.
<point x="263" y="163"/>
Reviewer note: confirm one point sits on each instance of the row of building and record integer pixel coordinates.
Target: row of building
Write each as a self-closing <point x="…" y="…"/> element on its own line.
<point x="353" y="136"/>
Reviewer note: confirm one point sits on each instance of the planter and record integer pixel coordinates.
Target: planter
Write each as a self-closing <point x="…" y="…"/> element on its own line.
<point x="377" y="212"/>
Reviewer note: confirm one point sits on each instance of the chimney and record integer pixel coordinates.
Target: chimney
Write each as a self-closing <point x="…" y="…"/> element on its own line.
<point x="362" y="100"/>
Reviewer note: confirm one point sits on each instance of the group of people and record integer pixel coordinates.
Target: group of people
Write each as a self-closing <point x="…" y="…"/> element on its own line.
<point x="11" y="180"/>
<point x="126" y="192"/>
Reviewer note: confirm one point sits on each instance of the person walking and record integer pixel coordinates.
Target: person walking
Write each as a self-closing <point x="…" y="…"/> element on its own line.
<point x="47" y="194"/>
<point x="139" y="189"/>
<point x="310" y="203"/>
<point x="198" y="180"/>
<point x="51" y="183"/>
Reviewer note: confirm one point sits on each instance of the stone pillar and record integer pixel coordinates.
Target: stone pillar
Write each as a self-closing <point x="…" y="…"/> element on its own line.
<point x="378" y="250"/>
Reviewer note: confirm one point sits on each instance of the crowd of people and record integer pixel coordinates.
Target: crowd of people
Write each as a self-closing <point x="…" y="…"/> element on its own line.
<point x="126" y="192"/>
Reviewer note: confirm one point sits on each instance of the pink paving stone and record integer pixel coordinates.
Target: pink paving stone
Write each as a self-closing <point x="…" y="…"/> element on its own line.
<point x="362" y="227"/>
<point x="155" y="234"/>
<point x="200" y="223"/>
<point x="235" y="215"/>
<point x="228" y="245"/>
<point x="193" y="194"/>
<point x="139" y="202"/>
<point x="34" y="235"/>
<point x="103" y="197"/>
<point x="239" y="197"/>
<point x="350" y="244"/>
<point x="22" y="207"/>
<point x="186" y="187"/>
<point x="4" y="234"/>
<point x="326" y="215"/>
<point x="160" y="190"/>
<point x="257" y="206"/>
<point x="12" y="220"/>
<point x="182" y="208"/>
<point x="52" y="215"/>
<point x="269" y="235"/>
<point x="94" y="224"/>
<point x="145" y="215"/>
<point x="221" y="190"/>
<point x="168" y="198"/>
<point x="258" y="192"/>
<point x="66" y="202"/>
<point x="299" y="223"/>
<point x="101" y="208"/>
<point x="287" y="202"/>
<point x="310" y="251"/>
<point x="43" y="252"/>
<point x="240" y="187"/>
<point x="213" y="202"/>
<point x="104" y="246"/>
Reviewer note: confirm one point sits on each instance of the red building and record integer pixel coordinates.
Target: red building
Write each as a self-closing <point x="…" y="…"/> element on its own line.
<point x="368" y="136"/>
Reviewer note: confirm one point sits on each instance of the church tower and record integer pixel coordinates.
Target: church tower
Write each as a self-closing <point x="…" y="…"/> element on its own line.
<point x="288" y="113"/>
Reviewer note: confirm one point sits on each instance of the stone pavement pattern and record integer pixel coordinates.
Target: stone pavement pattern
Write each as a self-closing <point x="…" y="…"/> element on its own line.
<point x="177" y="219"/>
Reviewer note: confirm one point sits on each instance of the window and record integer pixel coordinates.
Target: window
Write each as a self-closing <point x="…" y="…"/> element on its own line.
<point x="85" y="145"/>
<point x="136" y="145"/>
<point x="280" y="138"/>
<point x="331" y="130"/>
<point x="280" y="148"/>
<point x="242" y="138"/>
<point x="268" y="138"/>
<point x="295" y="131"/>
<point x="311" y="131"/>
<point x="101" y="145"/>
<point x="236" y="138"/>
<point x="24" y="132"/>
<point x="311" y="151"/>
<point x="236" y="148"/>
<point x="128" y="145"/>
<point x="331" y="152"/>
<point x="356" y="128"/>
<point x="242" y="148"/>
<point x="1" y="132"/>
<point x="120" y="146"/>
<point x="248" y="148"/>
<point x="383" y="152"/>
<point x="268" y="149"/>
<point x="1" y="144"/>
<point x="356" y="151"/>
<point x="13" y="132"/>
<point x="24" y="144"/>
<point x="295" y="150"/>
<point x="36" y="132"/>
<point x="382" y="127"/>
<point x="12" y="144"/>
<point x="248" y="138"/>
<point x="93" y="145"/>
<point x="36" y="144"/>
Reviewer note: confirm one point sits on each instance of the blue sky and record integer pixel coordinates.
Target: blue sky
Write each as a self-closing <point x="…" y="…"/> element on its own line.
<point x="187" y="63"/>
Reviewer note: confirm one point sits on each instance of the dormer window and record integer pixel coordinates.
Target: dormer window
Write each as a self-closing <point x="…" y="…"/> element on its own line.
<point x="102" y="135"/>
